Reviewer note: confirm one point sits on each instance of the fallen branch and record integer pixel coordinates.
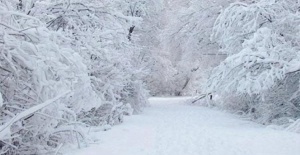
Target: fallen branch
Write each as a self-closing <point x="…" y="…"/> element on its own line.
<point x="199" y="98"/>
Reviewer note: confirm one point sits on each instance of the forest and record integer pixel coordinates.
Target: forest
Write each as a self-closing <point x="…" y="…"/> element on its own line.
<point x="68" y="67"/>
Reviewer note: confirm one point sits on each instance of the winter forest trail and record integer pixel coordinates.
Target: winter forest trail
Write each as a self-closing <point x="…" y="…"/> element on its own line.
<point x="171" y="127"/>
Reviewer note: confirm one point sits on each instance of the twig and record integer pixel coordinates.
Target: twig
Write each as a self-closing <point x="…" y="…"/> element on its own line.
<point x="59" y="147"/>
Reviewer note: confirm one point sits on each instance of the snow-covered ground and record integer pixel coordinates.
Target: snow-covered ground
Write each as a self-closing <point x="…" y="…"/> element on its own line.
<point x="170" y="127"/>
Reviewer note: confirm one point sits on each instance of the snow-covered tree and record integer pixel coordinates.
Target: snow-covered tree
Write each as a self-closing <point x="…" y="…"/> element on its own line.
<point x="262" y="44"/>
<point x="65" y="65"/>
<point x="44" y="84"/>
<point x="100" y="34"/>
<point x="187" y="45"/>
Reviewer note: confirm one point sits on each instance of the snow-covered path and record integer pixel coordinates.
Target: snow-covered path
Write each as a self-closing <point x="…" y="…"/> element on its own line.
<point x="170" y="127"/>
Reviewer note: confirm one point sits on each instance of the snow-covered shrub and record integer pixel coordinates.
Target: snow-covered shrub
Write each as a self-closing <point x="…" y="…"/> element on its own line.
<point x="106" y="114"/>
<point x="294" y="127"/>
<point x="36" y="67"/>
<point x="281" y="103"/>
<point x="63" y="65"/>
<point x="261" y="40"/>
<point x="99" y="33"/>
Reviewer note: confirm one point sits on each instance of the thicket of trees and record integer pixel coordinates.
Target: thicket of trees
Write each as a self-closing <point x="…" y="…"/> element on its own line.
<point x="244" y="54"/>
<point x="186" y="49"/>
<point x="260" y="76"/>
<point x="67" y="64"/>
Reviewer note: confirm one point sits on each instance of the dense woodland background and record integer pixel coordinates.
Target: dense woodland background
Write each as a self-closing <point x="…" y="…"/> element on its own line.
<point x="66" y="65"/>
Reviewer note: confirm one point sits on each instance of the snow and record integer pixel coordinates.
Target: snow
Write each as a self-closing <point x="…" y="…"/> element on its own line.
<point x="171" y="127"/>
<point x="4" y="129"/>
<point x="1" y="100"/>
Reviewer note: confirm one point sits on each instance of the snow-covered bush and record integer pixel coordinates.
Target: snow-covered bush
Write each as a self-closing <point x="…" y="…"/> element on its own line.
<point x="99" y="33"/>
<point x="279" y="104"/>
<point x="36" y="67"/>
<point x="106" y="114"/>
<point x="65" y="65"/>
<point x="261" y="40"/>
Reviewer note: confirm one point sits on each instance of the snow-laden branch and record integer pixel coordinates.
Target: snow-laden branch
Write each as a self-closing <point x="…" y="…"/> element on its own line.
<point x="4" y="129"/>
<point x="259" y="54"/>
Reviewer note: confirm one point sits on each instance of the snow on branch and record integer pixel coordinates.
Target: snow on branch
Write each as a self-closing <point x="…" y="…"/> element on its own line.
<point x="259" y="39"/>
<point x="4" y="129"/>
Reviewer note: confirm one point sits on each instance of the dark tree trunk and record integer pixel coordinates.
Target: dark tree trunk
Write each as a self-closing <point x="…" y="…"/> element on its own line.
<point x="130" y="32"/>
<point x="184" y="86"/>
